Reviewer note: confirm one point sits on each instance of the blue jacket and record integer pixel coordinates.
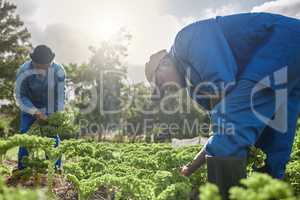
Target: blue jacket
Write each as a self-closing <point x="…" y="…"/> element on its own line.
<point x="36" y="92"/>
<point x="218" y="51"/>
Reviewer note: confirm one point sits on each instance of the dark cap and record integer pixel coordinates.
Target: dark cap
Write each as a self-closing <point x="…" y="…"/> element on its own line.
<point x="42" y="54"/>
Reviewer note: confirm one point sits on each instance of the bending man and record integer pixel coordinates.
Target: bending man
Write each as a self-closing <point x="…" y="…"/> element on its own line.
<point x="245" y="69"/>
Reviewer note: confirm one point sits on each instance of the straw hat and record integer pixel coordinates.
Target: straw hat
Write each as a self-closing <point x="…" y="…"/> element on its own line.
<point x="152" y="65"/>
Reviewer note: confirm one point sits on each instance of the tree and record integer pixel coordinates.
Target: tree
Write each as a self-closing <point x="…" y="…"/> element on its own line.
<point x="14" y="48"/>
<point x="135" y="114"/>
<point x="105" y="74"/>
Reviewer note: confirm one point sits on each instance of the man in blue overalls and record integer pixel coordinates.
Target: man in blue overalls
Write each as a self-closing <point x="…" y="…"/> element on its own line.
<point x="39" y="92"/>
<point x="245" y="69"/>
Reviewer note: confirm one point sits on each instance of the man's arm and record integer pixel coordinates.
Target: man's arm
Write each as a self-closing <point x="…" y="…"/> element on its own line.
<point x="21" y="97"/>
<point x="21" y="94"/>
<point x="198" y="161"/>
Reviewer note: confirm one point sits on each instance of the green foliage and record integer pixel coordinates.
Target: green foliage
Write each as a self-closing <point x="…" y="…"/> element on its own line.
<point x="7" y="193"/>
<point x="256" y="159"/>
<point x="134" y="171"/>
<point x="262" y="187"/>
<point x="256" y="187"/>
<point x="293" y="167"/>
<point x="4" y="127"/>
<point x="293" y="175"/>
<point x="34" y="143"/>
<point x="59" y="123"/>
<point x="209" y="191"/>
<point x="14" y="48"/>
<point x="176" y="191"/>
<point x="140" y="171"/>
<point x="128" y="170"/>
<point x="105" y="74"/>
<point x="4" y="170"/>
<point x="36" y="165"/>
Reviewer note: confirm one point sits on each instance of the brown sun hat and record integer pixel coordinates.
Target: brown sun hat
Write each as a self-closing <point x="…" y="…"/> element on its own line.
<point x="153" y="63"/>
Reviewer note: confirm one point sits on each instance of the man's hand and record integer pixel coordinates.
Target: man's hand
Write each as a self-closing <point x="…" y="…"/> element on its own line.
<point x="185" y="171"/>
<point x="40" y="116"/>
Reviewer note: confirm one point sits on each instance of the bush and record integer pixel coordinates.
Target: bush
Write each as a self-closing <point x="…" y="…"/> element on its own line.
<point x="4" y="127"/>
<point x="262" y="187"/>
<point x="256" y="187"/>
<point x="7" y="193"/>
<point x="59" y="123"/>
<point x="210" y="191"/>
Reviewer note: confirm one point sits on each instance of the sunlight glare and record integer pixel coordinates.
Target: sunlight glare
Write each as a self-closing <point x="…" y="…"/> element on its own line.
<point x="106" y="28"/>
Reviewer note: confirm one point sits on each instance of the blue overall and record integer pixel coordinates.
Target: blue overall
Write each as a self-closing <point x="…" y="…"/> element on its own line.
<point x="32" y="95"/>
<point x="253" y="59"/>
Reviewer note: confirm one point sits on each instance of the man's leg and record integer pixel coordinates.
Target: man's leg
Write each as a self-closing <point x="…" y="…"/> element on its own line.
<point x="57" y="143"/>
<point x="277" y="145"/>
<point x="236" y="127"/>
<point x="26" y="121"/>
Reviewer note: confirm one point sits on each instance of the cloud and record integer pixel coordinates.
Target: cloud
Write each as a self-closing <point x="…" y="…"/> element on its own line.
<point x="70" y="27"/>
<point x="26" y="8"/>
<point x="222" y="10"/>
<point x="207" y="8"/>
<point x="285" y="7"/>
<point x="155" y="35"/>
<point x="69" y="44"/>
<point x="153" y="24"/>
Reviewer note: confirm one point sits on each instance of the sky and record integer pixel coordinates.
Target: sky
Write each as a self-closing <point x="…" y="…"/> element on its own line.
<point x="71" y="26"/>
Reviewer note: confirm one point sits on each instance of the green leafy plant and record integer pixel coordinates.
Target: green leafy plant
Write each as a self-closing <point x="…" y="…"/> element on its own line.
<point x="210" y="191"/>
<point x="256" y="159"/>
<point x="142" y="171"/>
<point x="262" y="187"/>
<point x="58" y="123"/>
<point x="8" y="193"/>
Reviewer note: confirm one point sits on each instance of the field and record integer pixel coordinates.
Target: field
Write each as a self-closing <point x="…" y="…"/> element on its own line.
<point x="142" y="171"/>
<point x="126" y="171"/>
<point x="88" y="73"/>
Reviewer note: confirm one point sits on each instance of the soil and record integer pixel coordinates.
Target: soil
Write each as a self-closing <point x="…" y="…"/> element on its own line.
<point x="63" y="189"/>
